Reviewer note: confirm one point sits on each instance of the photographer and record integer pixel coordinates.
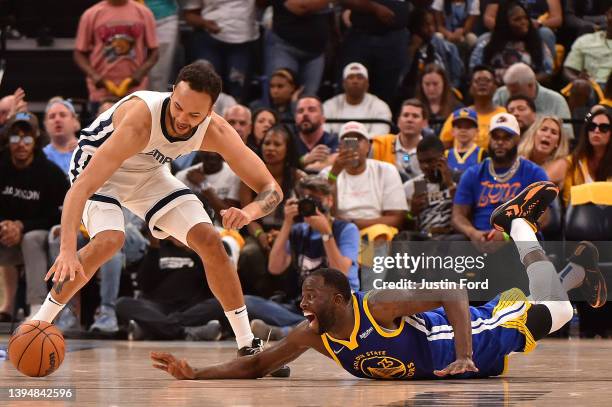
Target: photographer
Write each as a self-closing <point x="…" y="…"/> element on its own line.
<point x="311" y="238"/>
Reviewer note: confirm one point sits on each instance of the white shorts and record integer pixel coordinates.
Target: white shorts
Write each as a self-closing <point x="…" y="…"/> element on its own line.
<point x="167" y="206"/>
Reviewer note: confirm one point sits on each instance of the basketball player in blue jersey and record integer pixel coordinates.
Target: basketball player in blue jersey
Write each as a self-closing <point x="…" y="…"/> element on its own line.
<point x="410" y="334"/>
<point x="121" y="160"/>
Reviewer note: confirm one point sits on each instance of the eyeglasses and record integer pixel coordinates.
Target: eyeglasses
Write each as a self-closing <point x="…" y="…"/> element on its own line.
<point x="603" y="127"/>
<point x="15" y="139"/>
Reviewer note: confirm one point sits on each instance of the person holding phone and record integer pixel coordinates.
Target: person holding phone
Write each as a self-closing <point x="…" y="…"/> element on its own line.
<point x="430" y="195"/>
<point x="368" y="191"/>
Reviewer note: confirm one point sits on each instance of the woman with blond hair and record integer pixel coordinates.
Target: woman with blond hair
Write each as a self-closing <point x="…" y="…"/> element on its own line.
<point x="544" y="143"/>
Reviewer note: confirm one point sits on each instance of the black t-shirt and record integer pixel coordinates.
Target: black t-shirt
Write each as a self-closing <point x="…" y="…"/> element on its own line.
<point x="309" y="32"/>
<point x="368" y="23"/>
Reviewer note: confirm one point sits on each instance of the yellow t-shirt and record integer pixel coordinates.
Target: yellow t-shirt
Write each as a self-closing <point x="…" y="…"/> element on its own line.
<point x="482" y="139"/>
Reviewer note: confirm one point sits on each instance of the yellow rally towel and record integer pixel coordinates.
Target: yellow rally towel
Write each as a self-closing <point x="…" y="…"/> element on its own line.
<point x="599" y="193"/>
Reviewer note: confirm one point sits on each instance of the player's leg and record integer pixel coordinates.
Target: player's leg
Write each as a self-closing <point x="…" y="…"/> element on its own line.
<point x="551" y="308"/>
<point x="189" y="223"/>
<point x="104" y="223"/>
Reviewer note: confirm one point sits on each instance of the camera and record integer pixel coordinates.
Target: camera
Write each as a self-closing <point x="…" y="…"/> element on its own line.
<point x="308" y="206"/>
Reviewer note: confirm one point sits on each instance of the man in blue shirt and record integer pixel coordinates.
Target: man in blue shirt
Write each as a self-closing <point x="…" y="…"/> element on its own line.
<point x="496" y="180"/>
<point x="316" y="147"/>
<point x="61" y="124"/>
<point x="310" y="242"/>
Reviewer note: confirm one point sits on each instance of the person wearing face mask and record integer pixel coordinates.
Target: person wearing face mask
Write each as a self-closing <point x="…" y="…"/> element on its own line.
<point x="32" y="191"/>
<point x="545" y="143"/>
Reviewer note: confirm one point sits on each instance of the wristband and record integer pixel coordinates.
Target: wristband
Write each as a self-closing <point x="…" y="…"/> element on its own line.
<point x="331" y="176"/>
<point x="258" y="232"/>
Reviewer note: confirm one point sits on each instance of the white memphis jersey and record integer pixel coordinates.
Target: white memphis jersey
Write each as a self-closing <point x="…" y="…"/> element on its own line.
<point x="161" y="149"/>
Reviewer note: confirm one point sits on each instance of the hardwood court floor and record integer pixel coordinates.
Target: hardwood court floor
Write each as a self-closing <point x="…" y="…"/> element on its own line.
<point x="118" y="373"/>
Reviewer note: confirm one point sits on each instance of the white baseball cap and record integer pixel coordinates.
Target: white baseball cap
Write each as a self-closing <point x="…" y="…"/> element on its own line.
<point x="506" y="122"/>
<point x="355" y="68"/>
<point x="354" y="127"/>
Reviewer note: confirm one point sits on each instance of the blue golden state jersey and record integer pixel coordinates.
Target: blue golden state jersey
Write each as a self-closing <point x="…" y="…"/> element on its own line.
<point x="424" y="342"/>
<point x="461" y="163"/>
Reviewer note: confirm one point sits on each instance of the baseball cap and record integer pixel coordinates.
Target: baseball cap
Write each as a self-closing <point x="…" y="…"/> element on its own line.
<point x="354" y="127"/>
<point x="24" y="117"/>
<point x="465" y="113"/>
<point x="355" y="68"/>
<point x="506" y="122"/>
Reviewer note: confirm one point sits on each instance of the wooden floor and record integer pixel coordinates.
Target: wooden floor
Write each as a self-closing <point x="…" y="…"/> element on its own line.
<point x="118" y="373"/>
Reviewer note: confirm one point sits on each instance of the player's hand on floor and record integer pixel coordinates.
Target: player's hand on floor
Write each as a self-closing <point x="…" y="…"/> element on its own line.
<point x="459" y="366"/>
<point x="66" y="265"/>
<point x="234" y="218"/>
<point x="180" y="369"/>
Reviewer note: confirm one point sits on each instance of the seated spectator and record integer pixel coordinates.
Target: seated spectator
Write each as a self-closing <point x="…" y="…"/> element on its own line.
<point x="497" y="179"/>
<point x="456" y="20"/>
<point x="400" y="149"/>
<point x="514" y="39"/>
<point x="591" y="160"/>
<point x="583" y="17"/>
<point x="11" y="105"/>
<point x="315" y="147"/>
<point x="465" y="152"/>
<point x="430" y="195"/>
<point x="524" y="109"/>
<point x="279" y="156"/>
<point x="167" y="30"/>
<point x="356" y="103"/>
<point x="589" y="62"/>
<point x="263" y="119"/>
<point x="426" y="48"/>
<point x="369" y="192"/>
<point x="61" y="124"/>
<point x="282" y="94"/>
<point x="33" y="190"/>
<point x="116" y="47"/>
<point x="225" y="32"/>
<point x="544" y="143"/>
<point x="239" y="117"/>
<point x="521" y="80"/>
<point x="437" y="95"/>
<point x="546" y="16"/>
<point x="607" y="100"/>
<point x="174" y="302"/>
<point x="482" y="89"/>
<point x="297" y="39"/>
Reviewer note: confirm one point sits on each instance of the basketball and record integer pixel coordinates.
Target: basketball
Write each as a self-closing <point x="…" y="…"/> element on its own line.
<point x="36" y="348"/>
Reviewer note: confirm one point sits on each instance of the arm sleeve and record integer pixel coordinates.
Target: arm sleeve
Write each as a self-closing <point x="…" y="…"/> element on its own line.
<point x="348" y="242"/>
<point x="381" y="111"/>
<point x="464" y="194"/>
<point x="575" y="58"/>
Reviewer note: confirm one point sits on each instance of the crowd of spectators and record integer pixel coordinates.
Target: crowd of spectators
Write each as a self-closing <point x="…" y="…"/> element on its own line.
<point x="376" y="117"/>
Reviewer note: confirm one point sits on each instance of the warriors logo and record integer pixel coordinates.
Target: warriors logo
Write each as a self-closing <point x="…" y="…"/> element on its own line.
<point x="385" y="367"/>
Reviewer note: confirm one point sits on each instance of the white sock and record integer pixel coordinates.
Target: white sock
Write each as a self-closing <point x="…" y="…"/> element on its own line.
<point x="524" y="237"/>
<point x="239" y="320"/>
<point x="48" y="310"/>
<point x="572" y="276"/>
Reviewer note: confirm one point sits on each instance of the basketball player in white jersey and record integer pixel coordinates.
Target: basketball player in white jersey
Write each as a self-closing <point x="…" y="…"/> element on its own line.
<point x="121" y="161"/>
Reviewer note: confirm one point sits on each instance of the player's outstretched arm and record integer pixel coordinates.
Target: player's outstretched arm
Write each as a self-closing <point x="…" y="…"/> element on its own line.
<point x="223" y="139"/>
<point x="247" y="367"/>
<point x="132" y="123"/>
<point x="387" y="306"/>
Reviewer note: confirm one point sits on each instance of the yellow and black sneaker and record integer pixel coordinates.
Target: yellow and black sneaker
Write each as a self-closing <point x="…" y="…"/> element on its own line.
<point x="529" y="204"/>
<point x="593" y="286"/>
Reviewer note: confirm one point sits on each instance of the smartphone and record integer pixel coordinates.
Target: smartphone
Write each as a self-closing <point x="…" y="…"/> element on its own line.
<point x="420" y="187"/>
<point x="352" y="144"/>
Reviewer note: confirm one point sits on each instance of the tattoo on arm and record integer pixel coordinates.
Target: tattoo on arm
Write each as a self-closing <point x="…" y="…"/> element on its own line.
<point x="268" y="200"/>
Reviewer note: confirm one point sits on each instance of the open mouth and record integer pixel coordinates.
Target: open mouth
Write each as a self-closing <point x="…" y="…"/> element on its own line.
<point x="310" y="316"/>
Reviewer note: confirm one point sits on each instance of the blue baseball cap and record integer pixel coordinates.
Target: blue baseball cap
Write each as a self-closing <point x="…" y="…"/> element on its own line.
<point x="465" y="113"/>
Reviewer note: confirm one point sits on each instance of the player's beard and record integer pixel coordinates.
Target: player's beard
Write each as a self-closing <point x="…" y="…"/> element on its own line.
<point x="177" y="131"/>
<point x="326" y="320"/>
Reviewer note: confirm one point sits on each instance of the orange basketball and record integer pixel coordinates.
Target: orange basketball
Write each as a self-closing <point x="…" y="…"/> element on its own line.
<point x="36" y="348"/>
